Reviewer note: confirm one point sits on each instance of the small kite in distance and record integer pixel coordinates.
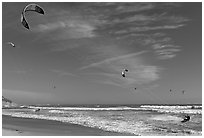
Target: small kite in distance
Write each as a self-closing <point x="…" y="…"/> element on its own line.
<point x="12" y="44"/>
<point x="183" y="91"/>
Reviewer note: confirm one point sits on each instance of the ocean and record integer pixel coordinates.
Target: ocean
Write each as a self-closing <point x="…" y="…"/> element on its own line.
<point x="143" y="120"/>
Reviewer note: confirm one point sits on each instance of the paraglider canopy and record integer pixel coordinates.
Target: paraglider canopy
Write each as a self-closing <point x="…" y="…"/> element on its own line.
<point x="123" y="72"/>
<point x="30" y="7"/>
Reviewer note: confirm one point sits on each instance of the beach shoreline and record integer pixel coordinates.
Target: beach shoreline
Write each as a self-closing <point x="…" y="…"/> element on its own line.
<point x="14" y="126"/>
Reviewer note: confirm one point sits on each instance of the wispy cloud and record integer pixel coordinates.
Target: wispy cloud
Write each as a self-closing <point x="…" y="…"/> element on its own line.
<point x="166" y="53"/>
<point x="138" y="73"/>
<point x="68" y="29"/>
<point x="145" y="19"/>
<point x="62" y="73"/>
<point x="147" y="28"/>
<point x="112" y="59"/>
<point x="62" y="47"/>
<point x="128" y="7"/>
<point x="50" y="26"/>
<point x="135" y="18"/>
<point x="130" y="23"/>
<point x="161" y="46"/>
<point x="166" y="56"/>
<point x="133" y="24"/>
<point x="109" y="82"/>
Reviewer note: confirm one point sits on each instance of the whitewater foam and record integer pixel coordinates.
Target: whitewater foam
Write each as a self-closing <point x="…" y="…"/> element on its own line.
<point x="166" y="118"/>
<point x="86" y="108"/>
<point x="174" y="109"/>
<point x="172" y="106"/>
<point x="166" y="109"/>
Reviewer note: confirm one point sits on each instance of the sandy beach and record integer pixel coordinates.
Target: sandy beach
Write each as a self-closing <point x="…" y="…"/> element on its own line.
<point x="13" y="126"/>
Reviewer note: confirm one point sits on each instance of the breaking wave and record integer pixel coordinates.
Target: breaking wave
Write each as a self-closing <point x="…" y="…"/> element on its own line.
<point x="172" y="106"/>
<point x="174" y="109"/>
<point x="162" y="109"/>
<point x="88" y="108"/>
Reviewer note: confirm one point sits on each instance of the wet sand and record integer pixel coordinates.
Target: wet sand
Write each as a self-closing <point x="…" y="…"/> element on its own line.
<point x="13" y="126"/>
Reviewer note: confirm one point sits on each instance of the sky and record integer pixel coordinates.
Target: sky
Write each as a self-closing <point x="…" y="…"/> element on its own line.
<point x="75" y="53"/>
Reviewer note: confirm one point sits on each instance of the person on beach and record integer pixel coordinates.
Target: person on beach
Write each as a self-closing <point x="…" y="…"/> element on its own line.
<point x="187" y="118"/>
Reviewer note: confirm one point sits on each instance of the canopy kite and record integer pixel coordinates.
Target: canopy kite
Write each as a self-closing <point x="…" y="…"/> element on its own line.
<point x="123" y="72"/>
<point x="30" y="7"/>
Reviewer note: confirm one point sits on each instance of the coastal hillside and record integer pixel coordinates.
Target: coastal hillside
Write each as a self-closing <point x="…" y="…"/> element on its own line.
<point x="6" y="103"/>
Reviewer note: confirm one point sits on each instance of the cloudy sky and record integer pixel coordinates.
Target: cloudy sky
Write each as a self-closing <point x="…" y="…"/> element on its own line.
<point x="81" y="49"/>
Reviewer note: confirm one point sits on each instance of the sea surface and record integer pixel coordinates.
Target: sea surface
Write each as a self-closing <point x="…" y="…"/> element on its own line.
<point x="144" y="120"/>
